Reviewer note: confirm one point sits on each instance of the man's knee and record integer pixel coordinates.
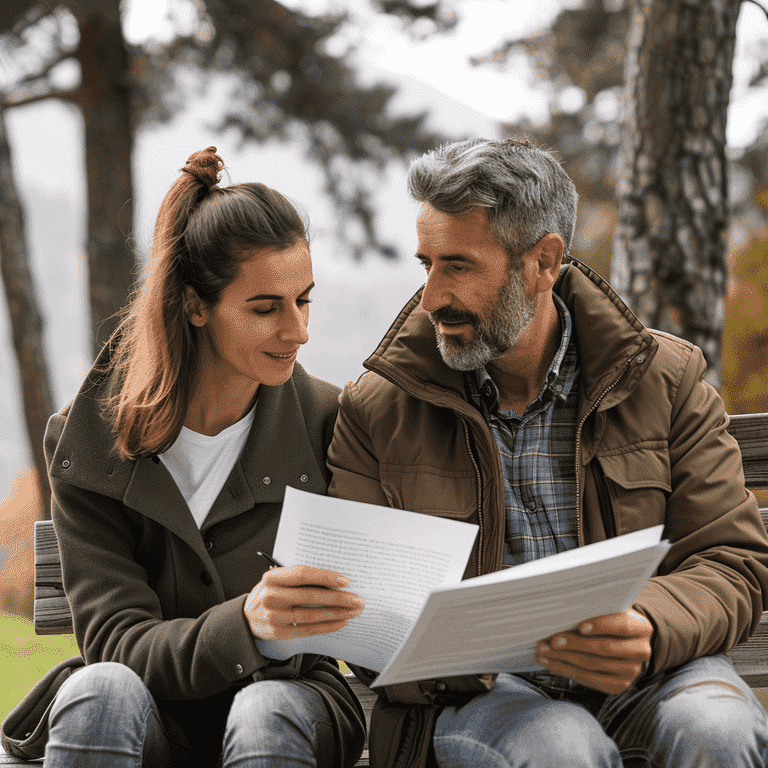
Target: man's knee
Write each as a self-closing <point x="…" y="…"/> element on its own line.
<point x="714" y="714"/>
<point x="552" y="733"/>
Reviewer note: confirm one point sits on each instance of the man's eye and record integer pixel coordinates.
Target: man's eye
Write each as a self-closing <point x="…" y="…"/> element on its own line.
<point x="302" y="302"/>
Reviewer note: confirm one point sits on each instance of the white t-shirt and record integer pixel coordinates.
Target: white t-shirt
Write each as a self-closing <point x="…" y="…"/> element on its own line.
<point x="200" y="464"/>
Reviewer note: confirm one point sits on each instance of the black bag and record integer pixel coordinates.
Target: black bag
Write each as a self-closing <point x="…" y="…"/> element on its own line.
<point x="25" y="729"/>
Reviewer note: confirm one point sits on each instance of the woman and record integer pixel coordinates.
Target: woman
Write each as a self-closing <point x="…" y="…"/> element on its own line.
<point x="168" y="472"/>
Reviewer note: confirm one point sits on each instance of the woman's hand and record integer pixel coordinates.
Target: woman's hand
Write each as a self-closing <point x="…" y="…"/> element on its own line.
<point x="299" y="601"/>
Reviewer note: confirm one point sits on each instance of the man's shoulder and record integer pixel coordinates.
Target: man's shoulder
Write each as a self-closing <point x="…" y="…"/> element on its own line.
<point x="675" y="354"/>
<point x="371" y="391"/>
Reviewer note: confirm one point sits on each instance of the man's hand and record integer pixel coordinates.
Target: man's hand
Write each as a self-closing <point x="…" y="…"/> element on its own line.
<point x="298" y="601"/>
<point x="607" y="653"/>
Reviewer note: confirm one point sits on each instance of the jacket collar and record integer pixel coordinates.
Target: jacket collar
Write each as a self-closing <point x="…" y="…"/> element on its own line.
<point x="613" y="345"/>
<point x="277" y="452"/>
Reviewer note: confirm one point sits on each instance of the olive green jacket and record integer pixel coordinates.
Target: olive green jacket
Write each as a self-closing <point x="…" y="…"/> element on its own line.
<point x="152" y="591"/>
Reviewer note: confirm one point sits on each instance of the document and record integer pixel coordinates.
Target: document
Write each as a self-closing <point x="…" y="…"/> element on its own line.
<point x="492" y="623"/>
<point x="421" y="621"/>
<point x="392" y="558"/>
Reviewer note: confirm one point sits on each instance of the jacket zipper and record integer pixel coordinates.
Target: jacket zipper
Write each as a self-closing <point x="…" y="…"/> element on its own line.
<point x="597" y="402"/>
<point x="481" y="533"/>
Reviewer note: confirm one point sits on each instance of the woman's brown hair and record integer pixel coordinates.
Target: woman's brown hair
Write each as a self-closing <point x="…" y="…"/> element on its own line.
<point x="202" y="234"/>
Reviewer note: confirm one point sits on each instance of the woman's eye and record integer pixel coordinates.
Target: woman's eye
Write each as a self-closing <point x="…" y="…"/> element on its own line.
<point x="302" y="302"/>
<point x="263" y="310"/>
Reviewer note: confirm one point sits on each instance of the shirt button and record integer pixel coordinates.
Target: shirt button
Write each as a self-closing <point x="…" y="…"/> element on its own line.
<point x="266" y="480"/>
<point x="640" y="359"/>
<point x="440" y="686"/>
<point x="239" y="669"/>
<point x="209" y="545"/>
<point x="304" y="478"/>
<point x="65" y="463"/>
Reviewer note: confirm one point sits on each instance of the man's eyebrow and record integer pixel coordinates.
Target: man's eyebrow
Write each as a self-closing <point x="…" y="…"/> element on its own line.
<point x="448" y="258"/>
<point x="277" y="297"/>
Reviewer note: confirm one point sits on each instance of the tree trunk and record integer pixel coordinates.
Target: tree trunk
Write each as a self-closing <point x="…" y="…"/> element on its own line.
<point x="670" y="249"/>
<point x="104" y="98"/>
<point x="26" y="320"/>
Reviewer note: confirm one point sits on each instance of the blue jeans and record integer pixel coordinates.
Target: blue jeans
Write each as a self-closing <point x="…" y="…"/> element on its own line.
<point x="701" y="715"/>
<point x="105" y="716"/>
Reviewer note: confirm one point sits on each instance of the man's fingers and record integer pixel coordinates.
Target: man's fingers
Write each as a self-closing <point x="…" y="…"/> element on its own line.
<point x="626" y="623"/>
<point x="611" y="682"/>
<point x="605" y="647"/>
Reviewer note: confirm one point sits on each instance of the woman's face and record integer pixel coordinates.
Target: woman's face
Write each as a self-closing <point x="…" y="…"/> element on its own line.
<point x="256" y="329"/>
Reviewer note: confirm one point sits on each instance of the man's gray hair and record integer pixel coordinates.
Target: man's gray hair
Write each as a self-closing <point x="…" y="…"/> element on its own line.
<point x="525" y="191"/>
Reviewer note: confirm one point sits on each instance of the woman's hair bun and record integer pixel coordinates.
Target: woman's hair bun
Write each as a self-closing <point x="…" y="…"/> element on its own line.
<point x="205" y="166"/>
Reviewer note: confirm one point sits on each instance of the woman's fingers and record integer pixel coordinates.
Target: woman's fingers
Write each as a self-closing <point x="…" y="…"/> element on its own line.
<point x="299" y="601"/>
<point x="302" y="575"/>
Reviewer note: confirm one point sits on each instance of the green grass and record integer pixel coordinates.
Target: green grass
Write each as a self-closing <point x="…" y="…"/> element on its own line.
<point x="25" y="657"/>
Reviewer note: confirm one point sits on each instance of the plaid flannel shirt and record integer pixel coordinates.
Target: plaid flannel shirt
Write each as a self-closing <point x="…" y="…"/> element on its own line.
<point x="538" y="455"/>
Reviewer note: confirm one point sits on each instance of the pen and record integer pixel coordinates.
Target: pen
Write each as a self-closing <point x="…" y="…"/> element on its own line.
<point x="274" y="563"/>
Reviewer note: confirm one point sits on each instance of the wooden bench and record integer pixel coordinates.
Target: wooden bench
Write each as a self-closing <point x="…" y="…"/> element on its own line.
<point x="52" y="614"/>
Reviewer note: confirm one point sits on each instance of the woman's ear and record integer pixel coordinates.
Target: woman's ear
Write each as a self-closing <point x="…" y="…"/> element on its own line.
<point x="195" y="308"/>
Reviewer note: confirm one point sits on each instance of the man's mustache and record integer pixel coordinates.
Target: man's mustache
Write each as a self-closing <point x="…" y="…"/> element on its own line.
<point x="447" y="315"/>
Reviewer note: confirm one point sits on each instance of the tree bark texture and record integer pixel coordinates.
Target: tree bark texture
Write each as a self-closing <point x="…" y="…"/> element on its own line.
<point x="671" y="242"/>
<point x="25" y="316"/>
<point x="104" y="98"/>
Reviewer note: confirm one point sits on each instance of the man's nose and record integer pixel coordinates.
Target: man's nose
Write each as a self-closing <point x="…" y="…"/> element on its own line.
<point x="435" y="296"/>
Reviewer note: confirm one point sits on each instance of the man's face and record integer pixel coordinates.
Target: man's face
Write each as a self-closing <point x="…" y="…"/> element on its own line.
<point x="477" y="304"/>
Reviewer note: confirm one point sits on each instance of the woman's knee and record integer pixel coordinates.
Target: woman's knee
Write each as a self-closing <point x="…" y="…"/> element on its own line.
<point x="99" y="687"/>
<point x="275" y="703"/>
<point x="278" y="718"/>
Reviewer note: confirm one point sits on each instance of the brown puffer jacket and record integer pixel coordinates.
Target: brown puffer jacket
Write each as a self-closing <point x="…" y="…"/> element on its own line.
<point x="651" y="448"/>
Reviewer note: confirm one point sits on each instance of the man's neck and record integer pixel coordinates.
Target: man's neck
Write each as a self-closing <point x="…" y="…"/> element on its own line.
<point x="520" y="373"/>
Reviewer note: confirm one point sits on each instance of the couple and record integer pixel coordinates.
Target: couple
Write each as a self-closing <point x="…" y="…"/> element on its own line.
<point x="515" y="390"/>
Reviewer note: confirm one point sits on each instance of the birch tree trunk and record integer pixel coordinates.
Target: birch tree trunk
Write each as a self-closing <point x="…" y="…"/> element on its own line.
<point x="670" y="248"/>
<point x="26" y="320"/>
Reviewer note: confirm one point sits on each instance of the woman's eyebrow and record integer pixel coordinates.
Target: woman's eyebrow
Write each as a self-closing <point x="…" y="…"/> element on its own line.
<point x="277" y="297"/>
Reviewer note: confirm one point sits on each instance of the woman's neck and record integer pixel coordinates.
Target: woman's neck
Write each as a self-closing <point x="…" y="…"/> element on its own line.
<point x="215" y="406"/>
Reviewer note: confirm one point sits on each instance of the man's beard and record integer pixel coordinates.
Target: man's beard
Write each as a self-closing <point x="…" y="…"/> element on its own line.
<point x="496" y="331"/>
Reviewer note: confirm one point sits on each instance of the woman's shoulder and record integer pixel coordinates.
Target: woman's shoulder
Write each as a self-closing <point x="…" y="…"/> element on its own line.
<point x="314" y="390"/>
<point x="79" y="441"/>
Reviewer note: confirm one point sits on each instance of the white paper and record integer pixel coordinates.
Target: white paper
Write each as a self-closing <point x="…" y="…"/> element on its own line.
<point x="392" y="558"/>
<point x="492" y="623"/>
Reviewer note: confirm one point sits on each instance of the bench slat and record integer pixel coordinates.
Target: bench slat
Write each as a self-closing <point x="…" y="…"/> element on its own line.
<point x="751" y="432"/>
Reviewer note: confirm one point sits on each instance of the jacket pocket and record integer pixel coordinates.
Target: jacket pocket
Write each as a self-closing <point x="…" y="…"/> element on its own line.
<point x="639" y="481"/>
<point x="430" y="490"/>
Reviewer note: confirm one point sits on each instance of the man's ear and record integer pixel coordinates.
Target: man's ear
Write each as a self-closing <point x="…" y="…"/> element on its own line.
<point x="549" y="252"/>
<point x="195" y="308"/>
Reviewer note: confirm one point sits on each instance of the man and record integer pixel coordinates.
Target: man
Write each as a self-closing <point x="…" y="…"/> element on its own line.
<point x="548" y="415"/>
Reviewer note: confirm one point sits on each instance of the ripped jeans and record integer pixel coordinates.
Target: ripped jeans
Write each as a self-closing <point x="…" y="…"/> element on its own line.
<point x="701" y="715"/>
